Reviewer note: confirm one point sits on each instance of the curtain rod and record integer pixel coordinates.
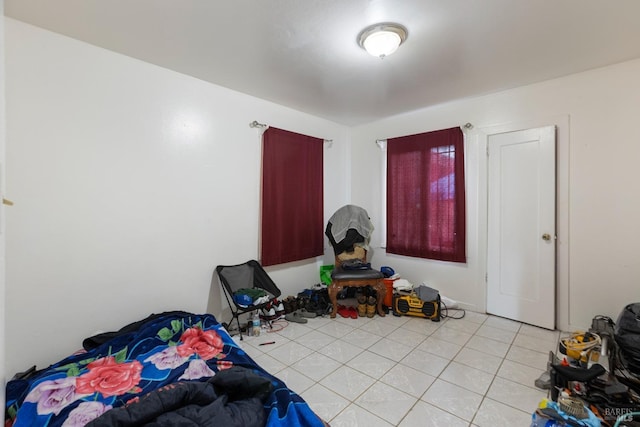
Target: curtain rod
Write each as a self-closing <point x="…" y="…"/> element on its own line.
<point x="256" y="124"/>
<point x="380" y="142"/>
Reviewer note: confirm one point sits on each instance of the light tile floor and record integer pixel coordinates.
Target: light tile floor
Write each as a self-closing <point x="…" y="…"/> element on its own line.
<point x="410" y="372"/>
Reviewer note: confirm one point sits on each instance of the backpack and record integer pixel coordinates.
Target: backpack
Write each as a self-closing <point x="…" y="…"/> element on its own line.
<point x="627" y="336"/>
<point x="315" y="300"/>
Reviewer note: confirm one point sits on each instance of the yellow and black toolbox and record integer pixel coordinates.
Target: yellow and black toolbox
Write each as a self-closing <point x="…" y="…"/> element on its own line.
<point x="411" y="305"/>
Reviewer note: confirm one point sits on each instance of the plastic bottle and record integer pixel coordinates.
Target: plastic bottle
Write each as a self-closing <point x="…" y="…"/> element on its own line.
<point x="256" y="324"/>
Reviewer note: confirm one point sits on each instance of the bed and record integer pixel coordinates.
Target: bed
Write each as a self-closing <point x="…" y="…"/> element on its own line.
<point x="157" y="369"/>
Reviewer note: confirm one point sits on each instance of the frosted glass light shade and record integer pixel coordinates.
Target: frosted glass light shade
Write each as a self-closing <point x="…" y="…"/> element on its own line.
<point x="382" y="39"/>
<point x="382" y="43"/>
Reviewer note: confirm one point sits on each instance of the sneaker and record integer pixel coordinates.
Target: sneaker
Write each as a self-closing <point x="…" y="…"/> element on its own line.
<point x="268" y="313"/>
<point x="308" y="314"/>
<point x="295" y="317"/>
<point x="279" y="307"/>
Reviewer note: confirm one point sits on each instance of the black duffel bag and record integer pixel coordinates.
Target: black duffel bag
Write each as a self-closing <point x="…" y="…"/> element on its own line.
<point x="627" y="335"/>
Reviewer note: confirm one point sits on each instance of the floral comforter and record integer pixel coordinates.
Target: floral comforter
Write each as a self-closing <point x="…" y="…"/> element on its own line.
<point x="159" y="352"/>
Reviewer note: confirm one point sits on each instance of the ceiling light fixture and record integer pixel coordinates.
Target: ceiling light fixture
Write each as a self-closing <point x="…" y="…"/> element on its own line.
<point x="382" y="39"/>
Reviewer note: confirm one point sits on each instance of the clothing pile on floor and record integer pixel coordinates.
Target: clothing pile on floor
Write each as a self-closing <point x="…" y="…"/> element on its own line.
<point x="594" y="379"/>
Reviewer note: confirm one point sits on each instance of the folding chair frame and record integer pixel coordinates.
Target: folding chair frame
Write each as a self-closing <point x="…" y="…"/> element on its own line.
<point x="249" y="274"/>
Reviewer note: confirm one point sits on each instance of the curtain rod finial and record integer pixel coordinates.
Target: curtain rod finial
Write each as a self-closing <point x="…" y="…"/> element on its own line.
<point x="255" y="124"/>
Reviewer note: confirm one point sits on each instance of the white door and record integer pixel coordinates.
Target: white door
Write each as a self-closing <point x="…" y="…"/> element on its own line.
<point x="521" y="226"/>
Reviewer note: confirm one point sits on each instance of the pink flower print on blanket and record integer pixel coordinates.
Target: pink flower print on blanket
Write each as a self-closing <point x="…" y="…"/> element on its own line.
<point x="109" y="377"/>
<point x="84" y="413"/>
<point x="206" y="344"/>
<point x="167" y="359"/>
<point x="53" y="396"/>
<point x="197" y="369"/>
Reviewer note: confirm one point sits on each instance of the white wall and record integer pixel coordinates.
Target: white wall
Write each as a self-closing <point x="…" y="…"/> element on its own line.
<point x="131" y="183"/>
<point x="2" y="214"/>
<point x="598" y="205"/>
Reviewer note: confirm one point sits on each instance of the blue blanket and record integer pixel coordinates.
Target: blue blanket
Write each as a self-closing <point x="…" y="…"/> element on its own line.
<point x="162" y="351"/>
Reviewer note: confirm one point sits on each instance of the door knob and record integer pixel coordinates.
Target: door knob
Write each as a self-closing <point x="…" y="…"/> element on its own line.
<point x="546" y="237"/>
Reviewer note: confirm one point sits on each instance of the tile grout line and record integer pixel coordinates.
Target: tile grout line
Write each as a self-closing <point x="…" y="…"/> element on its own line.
<point x="398" y="327"/>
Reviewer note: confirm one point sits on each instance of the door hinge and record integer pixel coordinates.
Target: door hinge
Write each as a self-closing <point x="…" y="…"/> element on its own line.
<point x="486" y="277"/>
<point x="487" y="150"/>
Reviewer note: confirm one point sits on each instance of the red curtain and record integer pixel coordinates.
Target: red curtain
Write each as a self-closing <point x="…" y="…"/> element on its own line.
<point x="425" y="195"/>
<point x="292" y="197"/>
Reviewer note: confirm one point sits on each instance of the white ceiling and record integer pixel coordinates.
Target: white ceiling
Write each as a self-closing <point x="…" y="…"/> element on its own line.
<point x="303" y="53"/>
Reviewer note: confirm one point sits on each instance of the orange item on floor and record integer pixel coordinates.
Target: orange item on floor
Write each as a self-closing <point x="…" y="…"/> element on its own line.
<point x="388" y="298"/>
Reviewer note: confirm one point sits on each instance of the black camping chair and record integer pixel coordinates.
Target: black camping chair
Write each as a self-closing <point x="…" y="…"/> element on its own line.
<point x="247" y="275"/>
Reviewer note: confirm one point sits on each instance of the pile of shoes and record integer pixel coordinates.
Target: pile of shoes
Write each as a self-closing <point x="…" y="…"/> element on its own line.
<point x="298" y="309"/>
<point x="366" y="305"/>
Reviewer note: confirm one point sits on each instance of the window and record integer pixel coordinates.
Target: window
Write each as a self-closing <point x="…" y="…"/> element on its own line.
<point x="292" y="197"/>
<point x="425" y="195"/>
